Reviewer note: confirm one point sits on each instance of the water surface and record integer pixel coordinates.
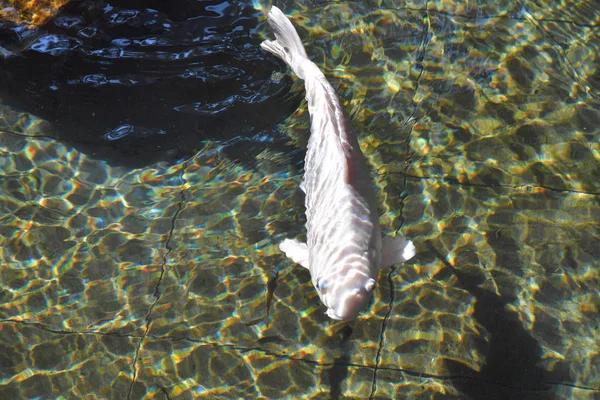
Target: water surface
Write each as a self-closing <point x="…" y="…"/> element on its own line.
<point x="481" y="122"/>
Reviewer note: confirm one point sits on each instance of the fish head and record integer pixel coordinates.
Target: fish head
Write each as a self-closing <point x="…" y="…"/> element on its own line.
<point x="346" y="296"/>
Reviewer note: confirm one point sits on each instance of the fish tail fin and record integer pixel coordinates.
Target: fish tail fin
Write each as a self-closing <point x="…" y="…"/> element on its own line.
<point x="288" y="45"/>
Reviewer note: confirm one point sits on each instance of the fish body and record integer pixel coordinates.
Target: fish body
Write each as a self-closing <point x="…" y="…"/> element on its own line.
<point x="344" y="251"/>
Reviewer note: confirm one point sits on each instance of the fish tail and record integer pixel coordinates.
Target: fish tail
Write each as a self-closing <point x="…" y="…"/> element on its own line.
<point x="288" y="45"/>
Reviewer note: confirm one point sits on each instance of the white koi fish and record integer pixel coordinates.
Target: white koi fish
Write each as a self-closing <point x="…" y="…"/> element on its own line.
<point x="344" y="251"/>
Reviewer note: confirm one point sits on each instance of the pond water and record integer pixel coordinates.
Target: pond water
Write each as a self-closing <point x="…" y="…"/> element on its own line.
<point x="481" y="121"/>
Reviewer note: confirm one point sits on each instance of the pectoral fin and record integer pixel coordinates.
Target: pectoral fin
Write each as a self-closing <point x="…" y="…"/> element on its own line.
<point x="295" y="251"/>
<point x="395" y="250"/>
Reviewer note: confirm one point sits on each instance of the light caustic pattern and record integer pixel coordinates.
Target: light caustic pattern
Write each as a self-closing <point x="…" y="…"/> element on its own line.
<point x="481" y="125"/>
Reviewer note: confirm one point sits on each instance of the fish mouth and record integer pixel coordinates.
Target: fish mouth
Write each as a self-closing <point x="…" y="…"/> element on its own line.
<point x="350" y="307"/>
<point x="331" y="314"/>
<point x="349" y="317"/>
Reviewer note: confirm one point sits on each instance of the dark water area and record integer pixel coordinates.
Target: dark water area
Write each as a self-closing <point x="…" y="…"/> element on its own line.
<point x="134" y="82"/>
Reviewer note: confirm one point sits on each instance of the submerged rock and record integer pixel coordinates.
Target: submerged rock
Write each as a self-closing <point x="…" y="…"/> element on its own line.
<point x="136" y="81"/>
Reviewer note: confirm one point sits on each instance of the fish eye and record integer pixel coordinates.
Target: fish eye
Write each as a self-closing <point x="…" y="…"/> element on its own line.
<point x="321" y="285"/>
<point x="370" y="285"/>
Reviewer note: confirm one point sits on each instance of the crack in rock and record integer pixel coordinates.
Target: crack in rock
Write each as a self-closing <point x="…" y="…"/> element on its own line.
<point x="157" y="293"/>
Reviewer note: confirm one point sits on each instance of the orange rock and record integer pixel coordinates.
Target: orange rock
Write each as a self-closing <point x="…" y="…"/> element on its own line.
<point x="30" y="12"/>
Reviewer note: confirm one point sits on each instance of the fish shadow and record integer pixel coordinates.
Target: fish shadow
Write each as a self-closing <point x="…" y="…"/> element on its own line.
<point x="337" y="375"/>
<point x="511" y="369"/>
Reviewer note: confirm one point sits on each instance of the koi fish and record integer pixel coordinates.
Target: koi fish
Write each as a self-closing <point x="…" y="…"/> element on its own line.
<point x="344" y="251"/>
